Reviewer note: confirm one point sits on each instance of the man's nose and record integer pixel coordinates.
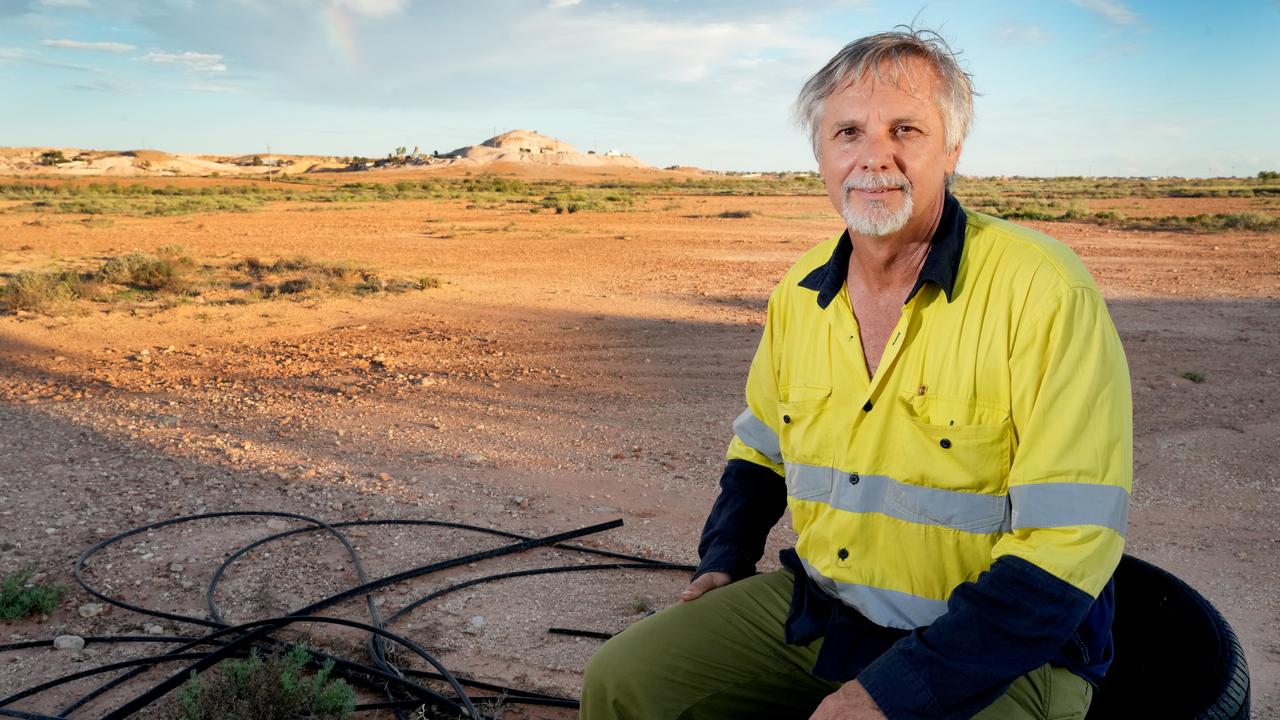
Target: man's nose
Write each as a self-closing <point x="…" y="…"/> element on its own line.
<point x="876" y="154"/>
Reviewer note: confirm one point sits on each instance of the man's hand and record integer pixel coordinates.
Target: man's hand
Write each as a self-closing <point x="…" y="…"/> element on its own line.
<point x="704" y="583"/>
<point x="850" y="702"/>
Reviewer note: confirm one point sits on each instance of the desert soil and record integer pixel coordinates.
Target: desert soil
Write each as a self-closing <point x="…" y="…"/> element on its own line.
<point x="572" y="369"/>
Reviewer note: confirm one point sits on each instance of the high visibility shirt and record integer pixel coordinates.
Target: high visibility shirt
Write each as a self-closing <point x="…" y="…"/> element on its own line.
<point x="988" y="461"/>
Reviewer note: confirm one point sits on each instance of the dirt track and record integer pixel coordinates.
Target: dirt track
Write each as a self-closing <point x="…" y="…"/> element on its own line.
<point x="574" y="368"/>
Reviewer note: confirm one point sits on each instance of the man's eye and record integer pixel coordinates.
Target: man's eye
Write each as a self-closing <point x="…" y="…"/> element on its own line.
<point x="905" y="130"/>
<point x="847" y="132"/>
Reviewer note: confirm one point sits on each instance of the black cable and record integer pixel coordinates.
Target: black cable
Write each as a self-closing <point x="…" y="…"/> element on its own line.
<point x="593" y="634"/>
<point x="235" y="641"/>
<point x="363" y="589"/>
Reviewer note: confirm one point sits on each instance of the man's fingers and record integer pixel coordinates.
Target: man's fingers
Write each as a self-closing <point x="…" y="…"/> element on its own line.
<point x="703" y="583"/>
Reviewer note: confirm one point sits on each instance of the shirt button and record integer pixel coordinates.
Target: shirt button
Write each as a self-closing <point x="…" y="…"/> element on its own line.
<point x="843" y="554"/>
<point x="945" y="443"/>
<point x="786" y="418"/>
<point x="866" y="407"/>
<point x="853" y="478"/>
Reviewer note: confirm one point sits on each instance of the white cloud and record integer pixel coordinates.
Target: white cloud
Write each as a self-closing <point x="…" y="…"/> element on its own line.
<point x="199" y="62"/>
<point x="82" y="45"/>
<point x="1012" y="34"/>
<point x="372" y="8"/>
<point x="64" y="3"/>
<point x="557" y="4"/>
<point x="1113" y="11"/>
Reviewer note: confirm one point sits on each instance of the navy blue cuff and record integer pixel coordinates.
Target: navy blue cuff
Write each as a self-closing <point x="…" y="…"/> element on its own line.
<point x="752" y="499"/>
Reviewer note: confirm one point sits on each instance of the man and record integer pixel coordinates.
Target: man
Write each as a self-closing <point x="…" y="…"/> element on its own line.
<point x="942" y="402"/>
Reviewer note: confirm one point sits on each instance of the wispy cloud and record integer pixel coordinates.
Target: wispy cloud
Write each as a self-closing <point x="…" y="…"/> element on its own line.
<point x="64" y="3"/>
<point x="557" y="4"/>
<point x="82" y="45"/>
<point x="22" y="56"/>
<point x="199" y="62"/>
<point x="1111" y="10"/>
<point x="1013" y="34"/>
<point x="372" y="8"/>
<point x="102" y="85"/>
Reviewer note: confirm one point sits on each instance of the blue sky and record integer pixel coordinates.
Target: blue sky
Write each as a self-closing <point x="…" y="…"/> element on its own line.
<point x="1069" y="87"/>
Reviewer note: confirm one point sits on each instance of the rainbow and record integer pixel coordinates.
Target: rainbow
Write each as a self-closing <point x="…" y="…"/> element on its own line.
<point x="341" y="33"/>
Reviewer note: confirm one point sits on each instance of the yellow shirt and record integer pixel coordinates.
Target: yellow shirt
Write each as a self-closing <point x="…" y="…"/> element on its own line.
<point x="999" y="422"/>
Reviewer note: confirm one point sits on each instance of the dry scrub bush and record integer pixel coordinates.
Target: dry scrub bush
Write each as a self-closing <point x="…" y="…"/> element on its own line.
<point x="166" y="271"/>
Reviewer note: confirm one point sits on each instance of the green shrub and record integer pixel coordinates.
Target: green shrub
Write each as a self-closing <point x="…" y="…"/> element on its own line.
<point x="20" y="598"/>
<point x="275" y="688"/>
<point x="33" y="292"/>
<point x="166" y="271"/>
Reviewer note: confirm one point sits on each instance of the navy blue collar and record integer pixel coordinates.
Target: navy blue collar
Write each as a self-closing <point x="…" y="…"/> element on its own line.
<point x="940" y="267"/>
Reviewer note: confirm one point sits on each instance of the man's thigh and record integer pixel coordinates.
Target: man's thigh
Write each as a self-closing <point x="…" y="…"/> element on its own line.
<point x="1046" y="693"/>
<point x="720" y="656"/>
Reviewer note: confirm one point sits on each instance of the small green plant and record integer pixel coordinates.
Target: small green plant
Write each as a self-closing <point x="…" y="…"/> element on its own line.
<point x="737" y="214"/>
<point x="275" y="687"/>
<point x="641" y="605"/>
<point x="20" y="598"/>
<point x="1193" y="376"/>
<point x="427" y="282"/>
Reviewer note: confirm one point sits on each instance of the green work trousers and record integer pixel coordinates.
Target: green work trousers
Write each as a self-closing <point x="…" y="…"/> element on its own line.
<point x="723" y="657"/>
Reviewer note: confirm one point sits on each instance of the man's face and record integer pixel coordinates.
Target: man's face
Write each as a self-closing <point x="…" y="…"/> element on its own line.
<point x="882" y="154"/>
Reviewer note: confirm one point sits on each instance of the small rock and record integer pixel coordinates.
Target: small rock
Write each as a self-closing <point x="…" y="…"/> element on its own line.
<point x="153" y="629"/>
<point x="474" y="625"/>
<point x="74" y="643"/>
<point x="473" y="458"/>
<point x="177" y="567"/>
<point x="89" y="610"/>
<point x="276" y="524"/>
<point x="384" y="477"/>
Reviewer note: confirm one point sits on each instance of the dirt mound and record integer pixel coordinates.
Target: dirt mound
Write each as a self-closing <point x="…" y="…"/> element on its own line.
<point x="528" y="146"/>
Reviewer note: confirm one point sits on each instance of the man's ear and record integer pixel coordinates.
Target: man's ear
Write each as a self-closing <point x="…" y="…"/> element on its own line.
<point x="953" y="158"/>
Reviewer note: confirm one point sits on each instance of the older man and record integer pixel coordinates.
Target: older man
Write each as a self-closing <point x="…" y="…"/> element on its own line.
<point x="942" y="402"/>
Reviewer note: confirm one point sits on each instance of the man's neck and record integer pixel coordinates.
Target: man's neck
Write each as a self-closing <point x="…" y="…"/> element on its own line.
<point x="889" y="262"/>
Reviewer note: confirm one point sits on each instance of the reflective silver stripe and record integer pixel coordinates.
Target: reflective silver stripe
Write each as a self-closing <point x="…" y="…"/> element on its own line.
<point x="758" y="436"/>
<point x="967" y="512"/>
<point x="809" y="482"/>
<point x="887" y="608"/>
<point x="1048" y="505"/>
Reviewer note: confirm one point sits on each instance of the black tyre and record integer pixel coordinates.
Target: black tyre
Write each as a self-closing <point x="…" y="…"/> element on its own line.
<point x="1175" y="655"/>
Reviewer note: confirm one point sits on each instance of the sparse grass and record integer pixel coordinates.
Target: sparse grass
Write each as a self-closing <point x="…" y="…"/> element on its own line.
<point x="1014" y="198"/>
<point x="20" y="598"/>
<point x="171" y="276"/>
<point x="1193" y="376"/>
<point x="641" y="605"/>
<point x="274" y="688"/>
<point x="737" y="214"/>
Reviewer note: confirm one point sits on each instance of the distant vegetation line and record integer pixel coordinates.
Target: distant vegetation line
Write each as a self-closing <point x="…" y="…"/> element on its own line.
<point x="1036" y="199"/>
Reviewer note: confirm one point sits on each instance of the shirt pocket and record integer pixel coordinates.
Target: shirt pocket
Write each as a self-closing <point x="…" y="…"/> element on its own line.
<point x="805" y="440"/>
<point x="969" y="453"/>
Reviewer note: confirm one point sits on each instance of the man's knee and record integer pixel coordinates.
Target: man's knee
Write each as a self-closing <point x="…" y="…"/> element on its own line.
<point x="616" y="678"/>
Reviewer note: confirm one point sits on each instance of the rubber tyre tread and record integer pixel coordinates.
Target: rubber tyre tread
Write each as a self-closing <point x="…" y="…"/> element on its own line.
<point x="1187" y="661"/>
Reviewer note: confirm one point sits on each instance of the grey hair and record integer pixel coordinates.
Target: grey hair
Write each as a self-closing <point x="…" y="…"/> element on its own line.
<point x="883" y="57"/>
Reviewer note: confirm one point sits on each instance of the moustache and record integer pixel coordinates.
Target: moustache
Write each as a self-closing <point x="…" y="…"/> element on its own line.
<point x="879" y="181"/>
